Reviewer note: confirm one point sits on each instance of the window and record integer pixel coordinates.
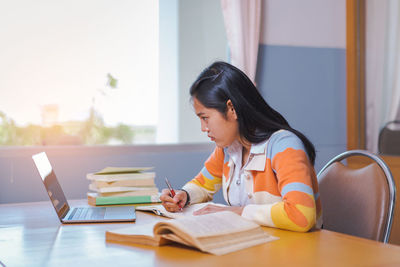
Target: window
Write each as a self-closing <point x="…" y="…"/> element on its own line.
<point x="78" y="72"/>
<point x="104" y="72"/>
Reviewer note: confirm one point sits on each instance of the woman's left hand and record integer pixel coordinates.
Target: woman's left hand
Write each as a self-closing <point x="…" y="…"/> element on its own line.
<point x="213" y="208"/>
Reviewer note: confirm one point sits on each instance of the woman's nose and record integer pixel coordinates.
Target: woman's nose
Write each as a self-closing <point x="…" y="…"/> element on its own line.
<point x="204" y="128"/>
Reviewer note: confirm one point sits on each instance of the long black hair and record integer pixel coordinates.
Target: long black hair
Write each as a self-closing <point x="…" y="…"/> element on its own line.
<point x="257" y="121"/>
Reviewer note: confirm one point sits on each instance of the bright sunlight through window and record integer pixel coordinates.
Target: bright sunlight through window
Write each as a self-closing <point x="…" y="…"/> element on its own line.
<point x="78" y="72"/>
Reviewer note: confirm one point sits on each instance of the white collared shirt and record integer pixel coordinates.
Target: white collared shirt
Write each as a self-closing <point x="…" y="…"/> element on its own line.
<point x="237" y="193"/>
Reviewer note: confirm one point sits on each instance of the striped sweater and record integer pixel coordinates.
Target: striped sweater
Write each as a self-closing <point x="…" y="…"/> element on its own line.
<point x="280" y="182"/>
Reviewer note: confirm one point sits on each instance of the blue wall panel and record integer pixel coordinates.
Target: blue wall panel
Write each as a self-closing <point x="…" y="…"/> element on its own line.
<point x="20" y="181"/>
<point x="307" y="85"/>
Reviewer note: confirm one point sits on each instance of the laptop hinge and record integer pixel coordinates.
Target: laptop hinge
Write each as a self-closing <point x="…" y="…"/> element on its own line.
<point x="63" y="211"/>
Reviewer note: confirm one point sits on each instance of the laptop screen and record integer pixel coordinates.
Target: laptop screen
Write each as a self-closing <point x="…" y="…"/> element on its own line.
<point x="51" y="184"/>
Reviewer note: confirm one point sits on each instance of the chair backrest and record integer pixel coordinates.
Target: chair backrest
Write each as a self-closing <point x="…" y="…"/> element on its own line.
<point x="358" y="202"/>
<point x="389" y="138"/>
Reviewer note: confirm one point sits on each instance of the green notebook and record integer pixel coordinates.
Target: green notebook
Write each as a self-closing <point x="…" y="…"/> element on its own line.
<point x="95" y="200"/>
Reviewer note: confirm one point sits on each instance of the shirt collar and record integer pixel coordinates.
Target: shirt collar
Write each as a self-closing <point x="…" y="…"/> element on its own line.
<point x="259" y="148"/>
<point x="257" y="155"/>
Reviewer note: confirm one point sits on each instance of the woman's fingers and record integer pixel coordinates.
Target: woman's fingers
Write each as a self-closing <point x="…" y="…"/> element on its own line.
<point x="165" y="196"/>
<point x="208" y="209"/>
<point x="213" y="208"/>
<point x="173" y="204"/>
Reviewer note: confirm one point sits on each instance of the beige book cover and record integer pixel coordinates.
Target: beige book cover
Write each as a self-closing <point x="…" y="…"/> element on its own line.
<point x="121" y="176"/>
<point x="216" y="233"/>
<point x="117" y="170"/>
<point x="117" y="183"/>
<point x="153" y="191"/>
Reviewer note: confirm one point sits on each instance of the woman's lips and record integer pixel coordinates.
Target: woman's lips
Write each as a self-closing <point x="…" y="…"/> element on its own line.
<point x="212" y="138"/>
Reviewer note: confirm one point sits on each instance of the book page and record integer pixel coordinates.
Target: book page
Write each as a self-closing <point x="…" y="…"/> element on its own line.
<point x="154" y="193"/>
<point x="120" y="188"/>
<point x="218" y="223"/>
<point x="177" y="239"/>
<point x="114" y="170"/>
<point x="188" y="211"/>
<point x="220" y="245"/>
<point x="217" y="233"/>
<point x="121" y="176"/>
<point x="124" y="182"/>
<point x="137" y="234"/>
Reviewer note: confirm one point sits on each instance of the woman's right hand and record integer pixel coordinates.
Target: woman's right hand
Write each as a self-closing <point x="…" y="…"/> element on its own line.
<point x="173" y="204"/>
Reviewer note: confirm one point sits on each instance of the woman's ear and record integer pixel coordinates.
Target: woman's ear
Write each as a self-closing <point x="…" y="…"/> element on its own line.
<point x="230" y="110"/>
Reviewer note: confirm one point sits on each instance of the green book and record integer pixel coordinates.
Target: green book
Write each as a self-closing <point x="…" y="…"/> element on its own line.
<point x="96" y="200"/>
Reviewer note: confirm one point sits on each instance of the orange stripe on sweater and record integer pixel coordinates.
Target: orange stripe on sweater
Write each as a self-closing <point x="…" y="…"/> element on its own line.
<point x="291" y="166"/>
<point x="301" y="198"/>
<point x="295" y="215"/>
<point x="215" y="162"/>
<point x="265" y="181"/>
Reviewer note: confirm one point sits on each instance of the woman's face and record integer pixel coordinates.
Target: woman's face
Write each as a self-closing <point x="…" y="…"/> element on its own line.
<point x="222" y="130"/>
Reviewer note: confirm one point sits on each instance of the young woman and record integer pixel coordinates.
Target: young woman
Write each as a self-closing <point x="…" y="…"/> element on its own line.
<point x="264" y="166"/>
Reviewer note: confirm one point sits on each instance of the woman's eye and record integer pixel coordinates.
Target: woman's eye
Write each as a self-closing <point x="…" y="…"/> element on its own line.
<point x="204" y="118"/>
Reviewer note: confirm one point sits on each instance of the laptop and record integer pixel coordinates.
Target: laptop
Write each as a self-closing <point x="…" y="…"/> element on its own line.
<point x="68" y="214"/>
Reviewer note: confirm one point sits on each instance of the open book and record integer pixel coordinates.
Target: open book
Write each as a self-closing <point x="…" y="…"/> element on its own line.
<point x="216" y="233"/>
<point x="187" y="211"/>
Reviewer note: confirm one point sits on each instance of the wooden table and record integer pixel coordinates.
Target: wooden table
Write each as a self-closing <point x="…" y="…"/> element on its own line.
<point x="31" y="235"/>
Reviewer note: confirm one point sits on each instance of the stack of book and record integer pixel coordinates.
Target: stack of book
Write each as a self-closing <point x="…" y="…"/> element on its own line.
<point x="115" y="185"/>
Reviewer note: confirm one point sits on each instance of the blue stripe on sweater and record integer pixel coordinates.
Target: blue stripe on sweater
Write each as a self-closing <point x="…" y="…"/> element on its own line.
<point x="300" y="187"/>
<point x="226" y="156"/>
<point x="281" y="141"/>
<point x="206" y="174"/>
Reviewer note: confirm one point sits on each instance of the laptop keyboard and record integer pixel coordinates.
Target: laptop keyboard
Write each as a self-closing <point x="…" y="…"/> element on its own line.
<point x="87" y="214"/>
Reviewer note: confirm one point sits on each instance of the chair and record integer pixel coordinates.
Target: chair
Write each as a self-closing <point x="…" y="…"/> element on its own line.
<point x="389" y="139"/>
<point x="358" y="202"/>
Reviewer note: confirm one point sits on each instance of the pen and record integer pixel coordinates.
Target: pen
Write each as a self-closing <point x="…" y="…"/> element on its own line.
<point x="171" y="190"/>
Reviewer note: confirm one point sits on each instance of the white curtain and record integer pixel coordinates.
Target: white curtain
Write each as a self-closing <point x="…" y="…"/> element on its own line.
<point x="391" y="85"/>
<point x="242" y="23"/>
<point x="382" y="67"/>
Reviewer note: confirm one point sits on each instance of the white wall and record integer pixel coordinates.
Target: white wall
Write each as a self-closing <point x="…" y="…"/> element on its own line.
<point x="311" y="23"/>
<point x="192" y="36"/>
<point x="202" y="40"/>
